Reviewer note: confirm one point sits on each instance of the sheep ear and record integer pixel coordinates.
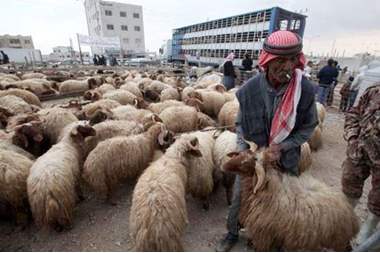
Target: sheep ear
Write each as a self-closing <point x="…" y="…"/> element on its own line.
<point x="220" y="88"/>
<point x="83" y="131"/>
<point x="156" y="118"/>
<point x="194" y="148"/>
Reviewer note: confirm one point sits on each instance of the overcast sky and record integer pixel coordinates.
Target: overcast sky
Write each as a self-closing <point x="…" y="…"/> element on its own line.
<point x="354" y="25"/>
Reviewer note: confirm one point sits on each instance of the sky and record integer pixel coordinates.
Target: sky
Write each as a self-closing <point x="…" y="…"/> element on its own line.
<point x="347" y="26"/>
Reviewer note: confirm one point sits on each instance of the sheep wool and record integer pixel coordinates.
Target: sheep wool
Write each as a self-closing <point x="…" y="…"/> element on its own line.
<point x="228" y="114"/>
<point x="159" y="107"/>
<point x="315" y="140"/>
<point x="124" y="97"/>
<point x="180" y="119"/>
<point x="15" y="105"/>
<point x="27" y="96"/>
<point x="158" y="215"/>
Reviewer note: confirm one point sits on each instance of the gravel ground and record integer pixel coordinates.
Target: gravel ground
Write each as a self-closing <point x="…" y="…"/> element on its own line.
<point x="101" y="227"/>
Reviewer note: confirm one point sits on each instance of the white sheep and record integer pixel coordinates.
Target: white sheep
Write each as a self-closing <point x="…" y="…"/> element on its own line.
<point x="52" y="185"/>
<point x="180" y="119"/>
<point x="71" y="86"/>
<point x="89" y="110"/>
<point x="158" y="215"/>
<point x="27" y="96"/>
<point x="159" y="107"/>
<point x="15" y="105"/>
<point x="118" y="158"/>
<point x="133" y="88"/>
<point x="228" y="113"/>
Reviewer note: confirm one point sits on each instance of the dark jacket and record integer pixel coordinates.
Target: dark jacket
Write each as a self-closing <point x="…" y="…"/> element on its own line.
<point x="247" y="64"/>
<point x="327" y="75"/>
<point x="228" y="69"/>
<point x="253" y="123"/>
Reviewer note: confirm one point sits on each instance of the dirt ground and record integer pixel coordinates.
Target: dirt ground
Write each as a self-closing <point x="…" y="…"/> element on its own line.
<point x="101" y="227"/>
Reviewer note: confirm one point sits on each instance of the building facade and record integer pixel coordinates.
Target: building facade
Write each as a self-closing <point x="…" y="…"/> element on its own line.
<point x="16" y="41"/>
<point x="113" y="19"/>
<point x="210" y="42"/>
<point x="66" y="53"/>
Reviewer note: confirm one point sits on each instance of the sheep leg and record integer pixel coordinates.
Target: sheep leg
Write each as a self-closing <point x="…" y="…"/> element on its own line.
<point x="79" y="191"/>
<point x="206" y="203"/>
<point x="110" y="198"/>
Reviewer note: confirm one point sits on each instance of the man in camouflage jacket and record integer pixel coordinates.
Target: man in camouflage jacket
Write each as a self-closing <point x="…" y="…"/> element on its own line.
<point x="362" y="131"/>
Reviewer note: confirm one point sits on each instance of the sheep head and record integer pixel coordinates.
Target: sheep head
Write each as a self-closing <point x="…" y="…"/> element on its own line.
<point x="140" y="103"/>
<point x="165" y="137"/>
<point x="92" y="84"/>
<point x="20" y="119"/>
<point x="117" y="82"/>
<point x="150" y="120"/>
<point x="194" y="102"/>
<point x="4" y="115"/>
<point x="192" y="147"/>
<point x="152" y="95"/>
<point x="100" y="115"/>
<point x="80" y="132"/>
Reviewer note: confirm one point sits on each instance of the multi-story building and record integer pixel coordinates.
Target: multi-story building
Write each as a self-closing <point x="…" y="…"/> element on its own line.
<point x="16" y="41"/>
<point x="66" y="53"/>
<point x="210" y="42"/>
<point x="113" y="19"/>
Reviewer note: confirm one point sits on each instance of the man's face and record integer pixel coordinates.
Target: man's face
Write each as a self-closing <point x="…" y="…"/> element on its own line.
<point x="281" y="69"/>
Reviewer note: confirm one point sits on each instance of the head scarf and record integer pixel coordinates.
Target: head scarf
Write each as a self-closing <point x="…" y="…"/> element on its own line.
<point x="282" y="43"/>
<point x="230" y="57"/>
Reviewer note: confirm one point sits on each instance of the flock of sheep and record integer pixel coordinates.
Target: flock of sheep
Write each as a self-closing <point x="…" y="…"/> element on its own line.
<point x="177" y="139"/>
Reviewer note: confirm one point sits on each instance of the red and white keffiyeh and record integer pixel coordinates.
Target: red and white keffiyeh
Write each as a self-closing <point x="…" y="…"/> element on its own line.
<point x="279" y="44"/>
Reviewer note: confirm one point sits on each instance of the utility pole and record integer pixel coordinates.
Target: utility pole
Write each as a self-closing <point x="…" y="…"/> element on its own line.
<point x="80" y="50"/>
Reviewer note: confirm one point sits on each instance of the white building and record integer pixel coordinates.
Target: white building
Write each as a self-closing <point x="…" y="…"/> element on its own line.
<point x="16" y="41"/>
<point x="113" y="19"/>
<point x="166" y="50"/>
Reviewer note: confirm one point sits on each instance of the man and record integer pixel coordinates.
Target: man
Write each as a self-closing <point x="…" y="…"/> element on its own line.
<point x="228" y="70"/>
<point x="247" y="63"/>
<point x="95" y="59"/>
<point x="330" y="96"/>
<point x="362" y="132"/>
<point x="327" y="75"/>
<point x="277" y="110"/>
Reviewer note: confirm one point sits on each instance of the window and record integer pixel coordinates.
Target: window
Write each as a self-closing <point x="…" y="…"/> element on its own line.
<point x="14" y="41"/>
<point x="108" y="13"/>
<point x="136" y="15"/>
<point x="27" y="41"/>
<point x="137" y="28"/>
<point x="126" y="40"/>
<point x="284" y="24"/>
<point x="123" y="14"/>
<point x="124" y="28"/>
<point x="138" y="41"/>
<point x="109" y="27"/>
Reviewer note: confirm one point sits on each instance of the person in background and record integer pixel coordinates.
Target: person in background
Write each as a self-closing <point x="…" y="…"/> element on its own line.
<point x="247" y="63"/>
<point x="95" y="59"/>
<point x="5" y="57"/>
<point x="345" y="95"/>
<point x="308" y="69"/>
<point x="326" y="76"/>
<point x="277" y="112"/>
<point x="103" y="60"/>
<point x="330" y="96"/>
<point x="229" y="74"/>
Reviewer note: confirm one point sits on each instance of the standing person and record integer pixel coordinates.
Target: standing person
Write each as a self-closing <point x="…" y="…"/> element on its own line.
<point x="326" y="76"/>
<point x="362" y="133"/>
<point x="5" y="57"/>
<point x="308" y="69"/>
<point x="103" y="60"/>
<point x="229" y="72"/>
<point x="95" y="59"/>
<point x="277" y="111"/>
<point x="247" y="63"/>
<point x="345" y="95"/>
<point x="330" y="96"/>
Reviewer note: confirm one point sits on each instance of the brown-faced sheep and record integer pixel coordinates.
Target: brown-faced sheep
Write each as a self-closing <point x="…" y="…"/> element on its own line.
<point x="52" y="185"/>
<point x="27" y="96"/>
<point x="158" y="215"/>
<point x="200" y="176"/>
<point x="109" y="129"/>
<point x="290" y="213"/>
<point x="228" y="113"/>
<point x="54" y="121"/>
<point x="118" y="158"/>
<point x="13" y="175"/>
<point x="225" y="143"/>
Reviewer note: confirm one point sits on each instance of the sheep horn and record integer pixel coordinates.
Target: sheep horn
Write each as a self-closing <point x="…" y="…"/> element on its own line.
<point x="260" y="173"/>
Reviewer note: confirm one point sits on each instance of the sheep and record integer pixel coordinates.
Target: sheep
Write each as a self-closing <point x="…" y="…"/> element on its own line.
<point x="9" y="76"/>
<point x="16" y="105"/>
<point x="109" y="129"/>
<point x="39" y="87"/>
<point x="133" y="88"/>
<point x="225" y="143"/>
<point x="159" y="107"/>
<point x="54" y="121"/>
<point x="212" y="101"/>
<point x="305" y="158"/>
<point x="144" y="83"/>
<point x="180" y="119"/>
<point x="27" y="96"/>
<point x="13" y="175"/>
<point x="7" y="144"/>
<point x="52" y="185"/>
<point x="130" y="113"/>
<point x="158" y="215"/>
<point x="228" y="114"/>
<point x="205" y="121"/>
<point x="315" y="140"/>
<point x="200" y="176"/>
<point x="88" y="110"/>
<point x="71" y="86"/>
<point x="33" y="76"/>
<point x="124" y="97"/>
<point x="170" y="94"/>
<point x="97" y="93"/>
<point x="118" y="158"/>
<point x="280" y="211"/>
<point x="157" y="86"/>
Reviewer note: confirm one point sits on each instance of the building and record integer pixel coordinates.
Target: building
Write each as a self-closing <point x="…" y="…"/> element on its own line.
<point x="210" y="42"/>
<point x="66" y="53"/>
<point x="166" y="51"/>
<point x="16" y="41"/>
<point x="113" y="19"/>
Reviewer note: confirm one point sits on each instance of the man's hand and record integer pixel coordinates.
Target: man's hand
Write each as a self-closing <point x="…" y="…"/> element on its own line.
<point x="274" y="152"/>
